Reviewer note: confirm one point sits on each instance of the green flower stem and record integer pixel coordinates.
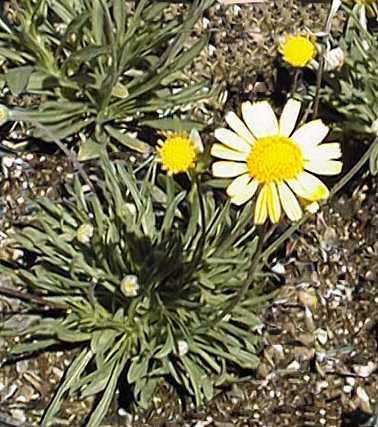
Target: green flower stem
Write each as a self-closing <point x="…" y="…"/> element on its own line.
<point x="198" y="251"/>
<point x="324" y="48"/>
<point x="343" y="181"/>
<point x="319" y="77"/>
<point x="295" y="82"/>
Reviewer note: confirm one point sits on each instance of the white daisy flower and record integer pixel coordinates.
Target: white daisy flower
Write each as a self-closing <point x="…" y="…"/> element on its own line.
<point x="266" y="154"/>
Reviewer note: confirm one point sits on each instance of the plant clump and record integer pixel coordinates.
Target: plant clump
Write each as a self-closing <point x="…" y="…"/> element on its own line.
<point x="138" y="274"/>
<point x="102" y="69"/>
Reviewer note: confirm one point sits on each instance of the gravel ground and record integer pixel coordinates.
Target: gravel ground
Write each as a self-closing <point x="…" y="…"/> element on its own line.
<point x="319" y="363"/>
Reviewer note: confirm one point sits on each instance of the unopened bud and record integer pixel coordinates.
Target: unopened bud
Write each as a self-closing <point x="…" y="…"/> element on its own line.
<point x="374" y="127"/>
<point x="4" y="114"/>
<point x="85" y="233"/>
<point x="130" y="286"/>
<point x="182" y="347"/>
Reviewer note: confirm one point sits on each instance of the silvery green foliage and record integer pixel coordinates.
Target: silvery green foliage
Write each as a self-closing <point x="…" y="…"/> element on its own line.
<point x="352" y="90"/>
<point x="138" y="273"/>
<point x="102" y="68"/>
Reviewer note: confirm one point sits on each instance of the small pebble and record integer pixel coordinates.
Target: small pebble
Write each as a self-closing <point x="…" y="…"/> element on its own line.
<point x="18" y="415"/>
<point x="321" y="336"/>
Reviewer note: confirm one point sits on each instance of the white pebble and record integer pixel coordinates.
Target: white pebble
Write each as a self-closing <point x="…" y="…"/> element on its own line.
<point x="18" y="415"/>
<point x="278" y="268"/>
<point x="361" y="393"/>
<point x="7" y="161"/>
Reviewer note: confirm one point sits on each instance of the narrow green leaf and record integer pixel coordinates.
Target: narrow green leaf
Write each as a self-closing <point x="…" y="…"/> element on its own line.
<point x="72" y="374"/>
<point x="128" y="141"/>
<point x="138" y="368"/>
<point x="42" y="82"/>
<point x="31" y="347"/>
<point x="188" y="56"/>
<point x="85" y="54"/>
<point x="373" y="160"/>
<point x="13" y="56"/>
<point x="190" y="92"/>
<point x="51" y="133"/>
<point x="97" y="15"/>
<point x="207" y="358"/>
<point x="167" y="348"/>
<point x="73" y="336"/>
<point x="119" y="15"/>
<point x="96" y="381"/>
<point x="175" y="124"/>
<point x="170" y="212"/>
<point x="99" y="215"/>
<point x="154" y="10"/>
<point x="103" y="406"/>
<point x="90" y="150"/>
<point x="147" y="390"/>
<point x="18" y="78"/>
<point x="195" y="375"/>
<point x="102" y="340"/>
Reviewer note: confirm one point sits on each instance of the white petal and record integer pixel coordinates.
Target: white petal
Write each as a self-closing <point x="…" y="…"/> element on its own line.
<point x="228" y="169"/>
<point x="223" y="152"/>
<point x="232" y="140"/>
<point x="289" y="202"/>
<point x="260" y="118"/>
<point x="324" y="167"/>
<point x="242" y="189"/>
<point x="289" y="117"/>
<point x="261" y="209"/>
<point x="273" y="201"/>
<point x="327" y="151"/>
<point x="238" y="185"/>
<point x="238" y="126"/>
<point x="308" y="187"/>
<point x="308" y="136"/>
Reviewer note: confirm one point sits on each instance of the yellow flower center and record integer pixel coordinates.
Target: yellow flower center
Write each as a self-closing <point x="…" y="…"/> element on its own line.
<point x="298" y="51"/>
<point x="274" y="158"/>
<point x="177" y="154"/>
